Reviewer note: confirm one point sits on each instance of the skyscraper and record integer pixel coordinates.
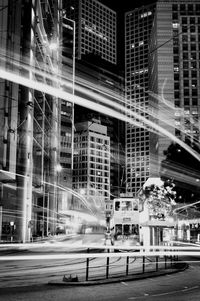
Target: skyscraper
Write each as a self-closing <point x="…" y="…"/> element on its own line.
<point x="162" y="76"/>
<point x="29" y="119"/>
<point x="91" y="174"/>
<point x="95" y="28"/>
<point x="138" y="25"/>
<point x="97" y="70"/>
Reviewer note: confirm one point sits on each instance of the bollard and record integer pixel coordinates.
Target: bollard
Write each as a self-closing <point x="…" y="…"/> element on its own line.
<point x="107" y="266"/>
<point x="87" y="266"/>
<point x="127" y="265"/>
<point x="156" y="263"/>
<point x="143" y="264"/>
<point x="165" y="261"/>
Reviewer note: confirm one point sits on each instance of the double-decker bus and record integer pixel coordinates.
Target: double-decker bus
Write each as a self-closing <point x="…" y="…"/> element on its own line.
<point x="125" y="219"/>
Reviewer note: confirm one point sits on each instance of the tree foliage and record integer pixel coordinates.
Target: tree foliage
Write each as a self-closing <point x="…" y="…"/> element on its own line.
<point x="160" y="199"/>
<point x="183" y="169"/>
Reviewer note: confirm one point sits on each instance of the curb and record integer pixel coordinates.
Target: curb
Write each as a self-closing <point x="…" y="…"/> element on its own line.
<point x="180" y="267"/>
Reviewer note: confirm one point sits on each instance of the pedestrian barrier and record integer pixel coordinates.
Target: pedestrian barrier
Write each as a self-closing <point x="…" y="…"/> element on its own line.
<point x="127" y="265"/>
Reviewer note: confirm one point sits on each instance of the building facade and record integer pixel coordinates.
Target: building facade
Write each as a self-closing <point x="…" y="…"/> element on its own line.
<point x="91" y="173"/>
<point x="97" y="71"/>
<point x="138" y="26"/>
<point x="95" y="30"/>
<point x="30" y="119"/>
<point x="162" y="83"/>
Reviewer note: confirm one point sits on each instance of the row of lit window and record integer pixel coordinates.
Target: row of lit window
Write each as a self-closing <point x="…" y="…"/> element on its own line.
<point x="92" y="159"/>
<point x="186" y="102"/>
<point x="189" y="8"/>
<point x="94" y="7"/>
<point x="138" y="23"/>
<point x="80" y="138"/>
<point x="91" y="42"/>
<point x="186" y="74"/>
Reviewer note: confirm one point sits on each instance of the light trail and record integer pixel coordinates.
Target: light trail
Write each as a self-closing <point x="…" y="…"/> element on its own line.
<point x="185" y="206"/>
<point x="58" y="244"/>
<point x="81" y="197"/>
<point x="58" y="78"/>
<point x="122" y="115"/>
<point x="98" y="255"/>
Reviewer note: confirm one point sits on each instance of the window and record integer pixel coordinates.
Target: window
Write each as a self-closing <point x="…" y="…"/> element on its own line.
<point x="117" y="206"/>
<point x="126" y="205"/>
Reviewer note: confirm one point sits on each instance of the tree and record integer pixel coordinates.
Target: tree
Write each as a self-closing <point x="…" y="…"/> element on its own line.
<point x="183" y="170"/>
<point x="159" y="199"/>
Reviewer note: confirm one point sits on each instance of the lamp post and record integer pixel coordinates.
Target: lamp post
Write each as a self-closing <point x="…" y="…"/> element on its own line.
<point x="68" y="27"/>
<point x="58" y="171"/>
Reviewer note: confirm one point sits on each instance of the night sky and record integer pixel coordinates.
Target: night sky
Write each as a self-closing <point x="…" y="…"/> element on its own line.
<point x="126" y="5"/>
<point x="121" y="7"/>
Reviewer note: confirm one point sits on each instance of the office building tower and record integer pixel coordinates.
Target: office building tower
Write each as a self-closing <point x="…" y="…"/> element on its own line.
<point x="97" y="71"/>
<point x="138" y="25"/>
<point x="162" y="75"/>
<point x="30" y="119"/>
<point x="95" y="28"/>
<point x="91" y="173"/>
<point x="67" y="71"/>
<point x="94" y="74"/>
<point x="181" y="38"/>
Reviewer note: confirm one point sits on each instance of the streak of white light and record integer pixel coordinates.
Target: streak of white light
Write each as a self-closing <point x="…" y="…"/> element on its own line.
<point x="58" y="186"/>
<point x="58" y="244"/>
<point x="98" y="255"/>
<point x="66" y="83"/>
<point x="78" y="195"/>
<point x="185" y="206"/>
<point x="13" y="173"/>
<point x="54" y="91"/>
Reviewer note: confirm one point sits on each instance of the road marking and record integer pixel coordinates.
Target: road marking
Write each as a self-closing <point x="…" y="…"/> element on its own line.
<point x="190" y="288"/>
<point x="167" y="293"/>
<point x="124" y="283"/>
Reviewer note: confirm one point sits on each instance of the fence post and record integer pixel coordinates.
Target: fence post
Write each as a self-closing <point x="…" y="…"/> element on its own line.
<point x="87" y="266"/>
<point x="127" y="265"/>
<point x="156" y="263"/>
<point x="107" y="265"/>
<point x="143" y="264"/>
<point x="165" y="261"/>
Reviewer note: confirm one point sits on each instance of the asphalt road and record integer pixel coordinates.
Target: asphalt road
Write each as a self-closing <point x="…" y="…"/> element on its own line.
<point x="182" y="286"/>
<point x="34" y="272"/>
<point x="35" y="275"/>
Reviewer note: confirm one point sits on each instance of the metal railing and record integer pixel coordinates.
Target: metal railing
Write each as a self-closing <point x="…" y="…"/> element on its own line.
<point x="131" y="265"/>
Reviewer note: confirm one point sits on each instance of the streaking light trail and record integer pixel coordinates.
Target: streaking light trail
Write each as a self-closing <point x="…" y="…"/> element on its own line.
<point x="118" y="111"/>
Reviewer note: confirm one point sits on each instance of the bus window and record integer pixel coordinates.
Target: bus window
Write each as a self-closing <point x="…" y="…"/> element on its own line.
<point x="118" y="229"/>
<point x="117" y="206"/>
<point x="135" y="206"/>
<point x="126" y="205"/>
<point x="127" y="230"/>
<point x="135" y="229"/>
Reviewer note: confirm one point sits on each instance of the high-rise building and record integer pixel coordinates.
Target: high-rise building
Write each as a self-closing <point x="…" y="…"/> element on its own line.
<point x="95" y="28"/>
<point x="174" y="52"/>
<point x="106" y="80"/>
<point x="91" y="173"/>
<point x="162" y="77"/>
<point x="30" y="119"/>
<point x="97" y="71"/>
<point x="138" y="26"/>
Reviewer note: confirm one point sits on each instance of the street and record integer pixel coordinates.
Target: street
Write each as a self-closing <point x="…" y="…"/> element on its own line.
<point x="182" y="286"/>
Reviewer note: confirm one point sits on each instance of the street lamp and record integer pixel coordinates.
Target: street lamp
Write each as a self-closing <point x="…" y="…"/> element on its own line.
<point x="58" y="171"/>
<point x="73" y="28"/>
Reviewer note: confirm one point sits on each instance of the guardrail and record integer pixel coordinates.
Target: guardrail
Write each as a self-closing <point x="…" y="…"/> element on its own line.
<point x="96" y="260"/>
<point x="140" y="264"/>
